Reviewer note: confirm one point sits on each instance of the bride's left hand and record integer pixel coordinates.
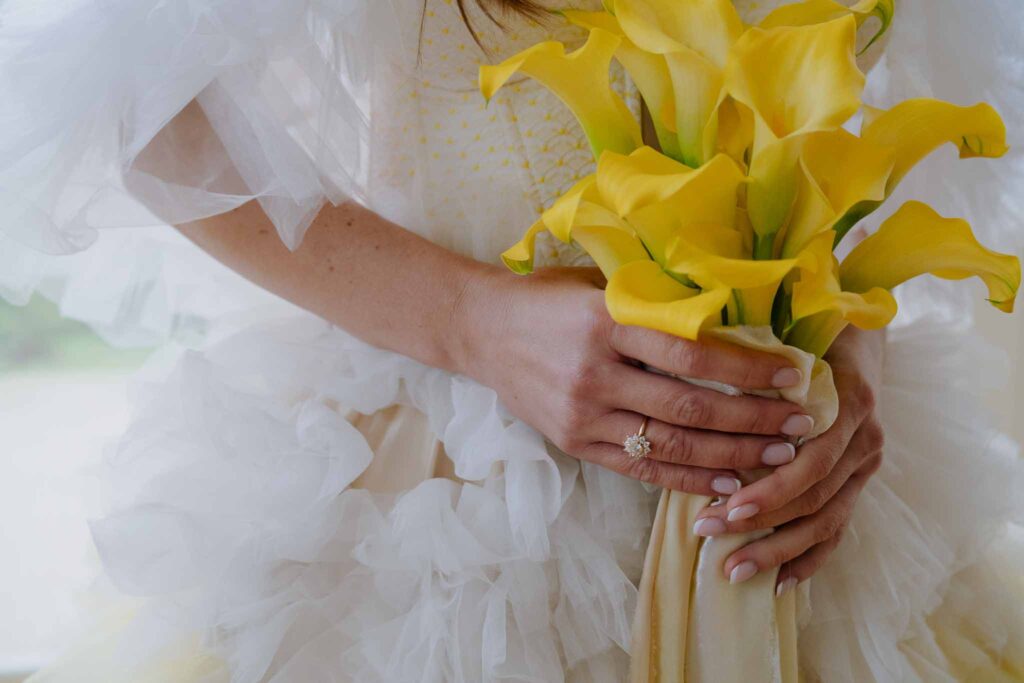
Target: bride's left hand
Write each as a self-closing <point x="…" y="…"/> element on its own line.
<point x="809" y="502"/>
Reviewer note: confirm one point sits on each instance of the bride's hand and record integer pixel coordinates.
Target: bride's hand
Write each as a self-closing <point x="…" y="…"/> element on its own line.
<point x="810" y="501"/>
<point x="547" y="345"/>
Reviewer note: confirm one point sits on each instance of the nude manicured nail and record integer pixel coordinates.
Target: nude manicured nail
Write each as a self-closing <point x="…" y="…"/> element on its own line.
<point x="798" y="425"/>
<point x="778" y="454"/>
<point x="744" y="571"/>
<point x="726" y="485"/>
<point x="785" y="586"/>
<point x="709" y="526"/>
<point x="787" y="377"/>
<point x="743" y="512"/>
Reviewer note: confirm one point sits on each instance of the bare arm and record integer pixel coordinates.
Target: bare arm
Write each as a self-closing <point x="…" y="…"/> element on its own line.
<point x="545" y="343"/>
<point x="384" y="284"/>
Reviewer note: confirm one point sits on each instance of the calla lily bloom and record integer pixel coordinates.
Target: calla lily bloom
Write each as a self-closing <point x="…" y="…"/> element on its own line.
<point x="694" y="37"/>
<point x="641" y="293"/>
<point x="797" y="81"/>
<point x="581" y="80"/>
<point x="914" y="129"/>
<point x="820" y="11"/>
<point x="735" y="220"/>
<point x="839" y="171"/>
<point x="821" y="310"/>
<point x="648" y="70"/>
<point x="917" y="240"/>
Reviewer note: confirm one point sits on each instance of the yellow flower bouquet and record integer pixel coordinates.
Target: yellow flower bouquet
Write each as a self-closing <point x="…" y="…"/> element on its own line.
<point x="728" y="228"/>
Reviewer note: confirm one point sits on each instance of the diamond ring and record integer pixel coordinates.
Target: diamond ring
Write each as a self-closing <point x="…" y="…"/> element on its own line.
<point x="636" y="445"/>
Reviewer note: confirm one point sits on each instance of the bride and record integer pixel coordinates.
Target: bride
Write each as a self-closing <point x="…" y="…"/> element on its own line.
<point x="406" y="464"/>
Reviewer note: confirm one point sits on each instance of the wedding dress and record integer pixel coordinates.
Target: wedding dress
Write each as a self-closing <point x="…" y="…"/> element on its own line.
<point x="291" y="505"/>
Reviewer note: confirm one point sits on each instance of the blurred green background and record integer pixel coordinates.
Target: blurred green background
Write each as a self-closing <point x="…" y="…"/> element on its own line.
<point x="35" y="338"/>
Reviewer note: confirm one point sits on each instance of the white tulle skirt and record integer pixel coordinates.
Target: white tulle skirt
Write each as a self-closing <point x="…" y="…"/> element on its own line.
<point x="295" y="506"/>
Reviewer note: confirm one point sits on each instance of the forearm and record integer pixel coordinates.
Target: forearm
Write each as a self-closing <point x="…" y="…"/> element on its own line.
<point x="383" y="284"/>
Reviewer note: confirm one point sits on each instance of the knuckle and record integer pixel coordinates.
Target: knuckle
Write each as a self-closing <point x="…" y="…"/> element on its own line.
<point x="864" y="395"/>
<point x="678" y="447"/>
<point x="683" y="480"/>
<point x="750" y="373"/>
<point x="688" y="357"/>
<point x="646" y="470"/>
<point x="572" y="427"/>
<point x="583" y="381"/>
<point x="736" y="455"/>
<point x="692" y="409"/>
<point x="819" y="467"/>
<point x="762" y="421"/>
<point x="873" y="464"/>
<point x="816" y="498"/>
<point x="874" y="436"/>
<point x="828" y="526"/>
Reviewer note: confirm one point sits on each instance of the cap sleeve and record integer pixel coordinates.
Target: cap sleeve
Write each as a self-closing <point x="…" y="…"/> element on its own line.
<point x="88" y="90"/>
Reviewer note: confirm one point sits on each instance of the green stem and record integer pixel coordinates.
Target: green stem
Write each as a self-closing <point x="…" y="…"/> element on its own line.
<point x="764" y="247"/>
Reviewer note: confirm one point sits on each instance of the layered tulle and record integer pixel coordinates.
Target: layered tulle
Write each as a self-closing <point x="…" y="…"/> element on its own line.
<point x="239" y="519"/>
<point x="234" y="512"/>
<point x="237" y="515"/>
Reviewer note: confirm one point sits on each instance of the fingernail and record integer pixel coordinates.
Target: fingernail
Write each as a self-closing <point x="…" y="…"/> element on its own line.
<point x="785" y="586"/>
<point x="743" y="572"/>
<point x="798" y="425"/>
<point x="726" y="485"/>
<point x="743" y="512"/>
<point x="709" y="526"/>
<point x="778" y="454"/>
<point x="787" y="377"/>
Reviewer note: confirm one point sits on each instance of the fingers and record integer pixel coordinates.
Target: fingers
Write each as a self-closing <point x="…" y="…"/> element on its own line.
<point x="696" y="480"/>
<point x="679" y="403"/>
<point x="695" y="447"/>
<point x="807" y="542"/>
<point x="856" y="459"/>
<point x="706" y="359"/>
<point x="814" y="462"/>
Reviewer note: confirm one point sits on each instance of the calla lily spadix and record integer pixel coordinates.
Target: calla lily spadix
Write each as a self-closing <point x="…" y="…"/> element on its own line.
<point x="734" y="219"/>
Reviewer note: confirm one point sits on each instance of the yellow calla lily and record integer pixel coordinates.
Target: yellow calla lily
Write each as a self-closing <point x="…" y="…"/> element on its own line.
<point x="796" y="80"/>
<point x="820" y="11"/>
<point x="915" y="128"/>
<point x="648" y="70"/>
<point x="917" y="240"/>
<point x="561" y="217"/>
<point x="581" y="80"/>
<point x="661" y="206"/>
<point x="641" y="293"/>
<point x="519" y="257"/>
<point x="840" y="171"/>
<point x="821" y="310"/>
<point x="610" y="247"/>
<point x="755" y="282"/>
<point x="735" y="130"/>
<point x="608" y="239"/>
<point x="694" y="36"/>
<point x="629" y="183"/>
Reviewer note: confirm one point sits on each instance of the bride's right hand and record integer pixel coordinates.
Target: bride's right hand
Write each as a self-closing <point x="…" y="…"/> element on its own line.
<point x="557" y="360"/>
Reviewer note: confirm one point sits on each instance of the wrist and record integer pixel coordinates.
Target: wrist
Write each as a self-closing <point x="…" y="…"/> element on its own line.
<point x="482" y="301"/>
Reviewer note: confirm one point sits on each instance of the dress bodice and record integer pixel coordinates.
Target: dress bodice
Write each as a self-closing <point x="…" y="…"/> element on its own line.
<point x="464" y="173"/>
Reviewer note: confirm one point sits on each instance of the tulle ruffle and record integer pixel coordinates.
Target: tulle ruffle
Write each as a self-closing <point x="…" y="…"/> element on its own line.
<point x="233" y="511"/>
<point x="77" y="117"/>
<point x="937" y="511"/>
<point x="234" y="514"/>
